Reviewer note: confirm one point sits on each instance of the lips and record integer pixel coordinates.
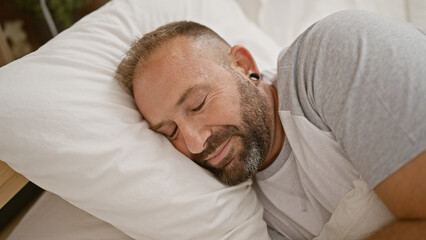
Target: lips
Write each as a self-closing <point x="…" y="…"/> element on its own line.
<point x="216" y="157"/>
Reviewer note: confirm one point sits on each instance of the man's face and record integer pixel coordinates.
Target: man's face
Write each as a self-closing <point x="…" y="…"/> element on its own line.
<point x="209" y="112"/>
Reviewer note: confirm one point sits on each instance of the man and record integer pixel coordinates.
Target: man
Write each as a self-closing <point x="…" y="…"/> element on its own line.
<point x="348" y="101"/>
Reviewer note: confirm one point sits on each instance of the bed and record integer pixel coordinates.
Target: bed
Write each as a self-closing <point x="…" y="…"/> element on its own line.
<point x="75" y="154"/>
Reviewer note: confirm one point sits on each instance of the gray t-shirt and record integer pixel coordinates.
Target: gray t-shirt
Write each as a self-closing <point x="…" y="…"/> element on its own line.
<point x="352" y="101"/>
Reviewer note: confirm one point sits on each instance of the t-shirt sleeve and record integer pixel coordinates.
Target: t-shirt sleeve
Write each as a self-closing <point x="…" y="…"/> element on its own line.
<point x="368" y="80"/>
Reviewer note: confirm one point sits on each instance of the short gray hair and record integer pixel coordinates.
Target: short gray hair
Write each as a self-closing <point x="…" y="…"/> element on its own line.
<point x="142" y="48"/>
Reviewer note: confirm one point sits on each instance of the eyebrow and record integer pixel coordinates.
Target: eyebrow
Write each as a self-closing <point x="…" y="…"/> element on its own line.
<point x="186" y="94"/>
<point x="181" y="100"/>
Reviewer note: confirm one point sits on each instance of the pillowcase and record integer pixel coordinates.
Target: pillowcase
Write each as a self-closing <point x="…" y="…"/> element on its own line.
<point x="68" y="127"/>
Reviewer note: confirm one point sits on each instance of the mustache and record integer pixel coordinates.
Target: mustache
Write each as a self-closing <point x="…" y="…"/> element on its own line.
<point x="213" y="142"/>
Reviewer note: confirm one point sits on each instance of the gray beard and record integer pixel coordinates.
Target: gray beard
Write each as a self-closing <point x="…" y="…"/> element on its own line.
<point x="254" y="135"/>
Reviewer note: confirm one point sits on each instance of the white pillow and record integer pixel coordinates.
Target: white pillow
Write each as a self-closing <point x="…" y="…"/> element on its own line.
<point x="69" y="128"/>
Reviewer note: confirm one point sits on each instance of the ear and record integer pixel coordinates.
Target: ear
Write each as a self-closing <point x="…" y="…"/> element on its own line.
<point x="242" y="60"/>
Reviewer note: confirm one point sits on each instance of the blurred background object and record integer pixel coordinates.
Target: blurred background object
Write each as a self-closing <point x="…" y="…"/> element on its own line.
<point x="25" y="27"/>
<point x="17" y="38"/>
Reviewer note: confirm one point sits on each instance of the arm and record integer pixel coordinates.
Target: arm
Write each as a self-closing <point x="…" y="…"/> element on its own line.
<point x="404" y="193"/>
<point x="401" y="230"/>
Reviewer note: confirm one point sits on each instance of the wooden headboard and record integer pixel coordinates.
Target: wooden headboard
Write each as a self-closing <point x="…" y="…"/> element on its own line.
<point x="11" y="183"/>
<point x="17" y="195"/>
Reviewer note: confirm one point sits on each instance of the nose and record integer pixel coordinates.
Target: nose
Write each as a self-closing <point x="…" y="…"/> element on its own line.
<point x="195" y="136"/>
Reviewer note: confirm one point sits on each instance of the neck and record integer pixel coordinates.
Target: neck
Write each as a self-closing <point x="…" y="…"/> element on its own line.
<point x="278" y="134"/>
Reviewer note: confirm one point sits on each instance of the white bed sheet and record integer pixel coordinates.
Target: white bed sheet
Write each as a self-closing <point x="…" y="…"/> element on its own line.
<point x="52" y="218"/>
<point x="359" y="213"/>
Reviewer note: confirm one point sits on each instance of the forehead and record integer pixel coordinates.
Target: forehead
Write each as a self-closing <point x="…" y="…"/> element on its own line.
<point x="172" y="69"/>
<point x="179" y="57"/>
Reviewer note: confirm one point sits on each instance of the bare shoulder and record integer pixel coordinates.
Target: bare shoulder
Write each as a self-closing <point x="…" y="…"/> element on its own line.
<point x="404" y="192"/>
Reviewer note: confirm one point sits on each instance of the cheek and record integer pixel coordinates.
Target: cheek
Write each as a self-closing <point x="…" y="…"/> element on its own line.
<point x="224" y="112"/>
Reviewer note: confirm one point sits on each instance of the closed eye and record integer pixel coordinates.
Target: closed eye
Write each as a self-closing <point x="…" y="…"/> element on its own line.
<point x="199" y="106"/>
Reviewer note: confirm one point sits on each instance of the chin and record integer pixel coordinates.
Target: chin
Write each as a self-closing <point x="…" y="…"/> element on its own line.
<point x="236" y="172"/>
